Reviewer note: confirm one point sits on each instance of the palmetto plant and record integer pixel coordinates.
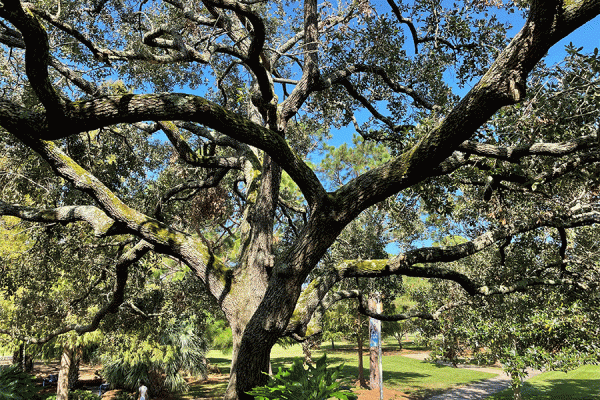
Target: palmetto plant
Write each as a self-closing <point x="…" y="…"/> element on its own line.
<point x="16" y="384"/>
<point x="159" y="362"/>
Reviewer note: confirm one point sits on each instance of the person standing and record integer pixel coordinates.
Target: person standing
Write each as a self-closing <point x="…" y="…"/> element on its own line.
<point x="143" y="390"/>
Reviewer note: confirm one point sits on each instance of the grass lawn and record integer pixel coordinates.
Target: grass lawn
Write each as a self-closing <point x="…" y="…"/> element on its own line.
<point x="410" y="376"/>
<point x="580" y="384"/>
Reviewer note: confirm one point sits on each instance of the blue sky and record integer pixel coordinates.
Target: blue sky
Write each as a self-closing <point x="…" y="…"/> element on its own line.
<point x="587" y="36"/>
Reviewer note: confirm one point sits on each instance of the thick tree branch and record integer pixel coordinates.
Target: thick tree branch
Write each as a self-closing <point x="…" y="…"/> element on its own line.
<point x="101" y="223"/>
<point x="110" y="110"/>
<point x="37" y="55"/>
<point x="328" y="23"/>
<point x="562" y="251"/>
<point x="516" y="153"/>
<point x="415" y="262"/>
<point x="310" y="68"/>
<point x="165" y="239"/>
<point x="254" y="56"/>
<point x="503" y="84"/>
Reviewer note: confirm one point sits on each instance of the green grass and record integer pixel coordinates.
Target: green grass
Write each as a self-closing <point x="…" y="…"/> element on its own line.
<point x="418" y="378"/>
<point x="415" y="377"/>
<point x="580" y="384"/>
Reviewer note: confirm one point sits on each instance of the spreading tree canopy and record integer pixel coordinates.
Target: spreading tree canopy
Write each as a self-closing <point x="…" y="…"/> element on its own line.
<point x="184" y="127"/>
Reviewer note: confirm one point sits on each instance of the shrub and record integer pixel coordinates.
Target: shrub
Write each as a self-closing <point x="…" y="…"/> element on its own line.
<point x="298" y="383"/>
<point x="83" y="395"/>
<point x="124" y="396"/>
<point x="16" y="384"/>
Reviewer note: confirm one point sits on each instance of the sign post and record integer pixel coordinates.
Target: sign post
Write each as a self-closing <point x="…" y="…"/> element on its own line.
<point x="376" y="377"/>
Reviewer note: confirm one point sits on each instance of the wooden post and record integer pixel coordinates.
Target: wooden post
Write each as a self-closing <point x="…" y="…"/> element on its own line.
<point x="376" y="378"/>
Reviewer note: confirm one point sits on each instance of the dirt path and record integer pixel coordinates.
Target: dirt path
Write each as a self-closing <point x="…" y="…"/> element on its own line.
<point x="87" y="376"/>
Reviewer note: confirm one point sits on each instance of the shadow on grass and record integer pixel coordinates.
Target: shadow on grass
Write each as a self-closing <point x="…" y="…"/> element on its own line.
<point x="224" y="364"/>
<point x="206" y="390"/>
<point x="557" y="389"/>
<point x="351" y="348"/>
<point x="352" y="371"/>
<point x="349" y="372"/>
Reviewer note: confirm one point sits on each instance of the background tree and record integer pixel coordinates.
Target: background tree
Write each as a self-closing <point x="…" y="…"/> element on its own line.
<point x="160" y="335"/>
<point x="270" y="80"/>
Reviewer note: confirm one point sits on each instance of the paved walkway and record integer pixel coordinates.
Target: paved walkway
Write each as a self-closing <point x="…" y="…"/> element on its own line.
<point x="478" y="390"/>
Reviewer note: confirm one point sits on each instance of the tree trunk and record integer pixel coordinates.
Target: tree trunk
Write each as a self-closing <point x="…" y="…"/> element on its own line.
<point x="74" y="370"/>
<point x="62" y="389"/>
<point x="374" y="343"/>
<point x="399" y="339"/>
<point x="306" y="349"/>
<point x="361" y="375"/>
<point x="257" y="321"/>
<point x="255" y="325"/>
<point x="247" y="369"/>
<point x="517" y="393"/>
<point x="21" y="358"/>
<point x="516" y="383"/>
<point x="332" y="344"/>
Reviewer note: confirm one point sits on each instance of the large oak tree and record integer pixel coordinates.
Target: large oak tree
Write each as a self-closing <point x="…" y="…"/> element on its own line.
<point x="240" y="89"/>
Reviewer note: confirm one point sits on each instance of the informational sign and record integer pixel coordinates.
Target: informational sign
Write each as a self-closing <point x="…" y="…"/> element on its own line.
<point x="375" y="333"/>
<point x="376" y="377"/>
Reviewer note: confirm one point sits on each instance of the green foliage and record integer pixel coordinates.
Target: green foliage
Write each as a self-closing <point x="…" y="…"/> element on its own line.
<point x="16" y="384"/>
<point x="125" y="396"/>
<point x="582" y="383"/>
<point x="157" y="359"/>
<point x="83" y="395"/>
<point x="299" y="383"/>
<point x="220" y="335"/>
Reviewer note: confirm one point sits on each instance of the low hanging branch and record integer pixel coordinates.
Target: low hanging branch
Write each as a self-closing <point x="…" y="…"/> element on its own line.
<point x="118" y="296"/>
<point x="315" y="299"/>
<point x="409" y="314"/>
<point x="101" y="223"/>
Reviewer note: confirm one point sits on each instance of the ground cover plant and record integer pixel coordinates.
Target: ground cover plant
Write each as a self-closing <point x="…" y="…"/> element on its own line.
<point x="310" y="382"/>
<point x="412" y="377"/>
<point x="16" y="384"/>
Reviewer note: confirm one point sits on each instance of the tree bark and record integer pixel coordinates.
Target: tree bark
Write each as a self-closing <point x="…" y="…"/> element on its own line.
<point x="74" y="368"/>
<point x="248" y="372"/>
<point x="361" y="374"/>
<point x="62" y="389"/>
<point x="306" y="345"/>
<point x="21" y="358"/>
<point x="399" y="339"/>
<point x="517" y="393"/>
